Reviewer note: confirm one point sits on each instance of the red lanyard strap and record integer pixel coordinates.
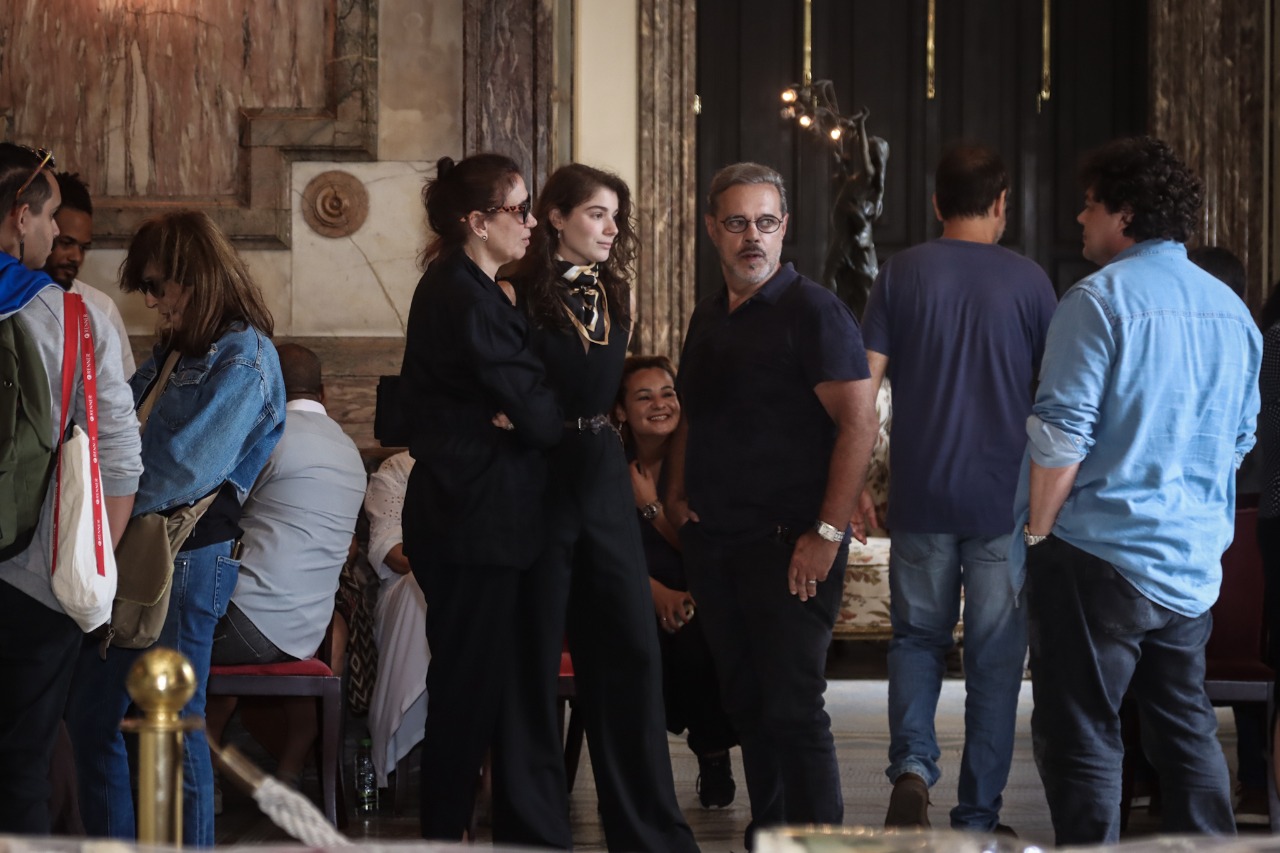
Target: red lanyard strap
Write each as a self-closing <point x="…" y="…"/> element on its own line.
<point x="78" y="333"/>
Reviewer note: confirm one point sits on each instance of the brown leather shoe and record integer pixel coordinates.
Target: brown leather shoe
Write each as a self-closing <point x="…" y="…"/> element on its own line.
<point x="909" y="803"/>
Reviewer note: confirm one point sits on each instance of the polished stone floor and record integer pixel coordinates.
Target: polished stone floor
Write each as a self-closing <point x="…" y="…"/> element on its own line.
<point x="856" y="700"/>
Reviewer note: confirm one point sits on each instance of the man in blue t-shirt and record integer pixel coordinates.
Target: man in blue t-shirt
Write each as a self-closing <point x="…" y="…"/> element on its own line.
<point x="1147" y="403"/>
<point x="958" y="324"/>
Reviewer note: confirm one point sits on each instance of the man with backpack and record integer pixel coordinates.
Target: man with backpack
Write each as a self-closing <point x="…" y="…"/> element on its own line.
<point x="38" y="641"/>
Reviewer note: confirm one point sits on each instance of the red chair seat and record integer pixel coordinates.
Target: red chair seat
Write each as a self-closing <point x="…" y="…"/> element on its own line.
<point x="310" y="666"/>
<point x="309" y="678"/>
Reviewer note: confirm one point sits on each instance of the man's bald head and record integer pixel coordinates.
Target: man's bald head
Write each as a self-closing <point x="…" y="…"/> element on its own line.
<point x="301" y="369"/>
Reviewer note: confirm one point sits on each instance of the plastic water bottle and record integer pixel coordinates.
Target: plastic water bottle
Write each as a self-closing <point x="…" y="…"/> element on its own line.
<point x="366" y="781"/>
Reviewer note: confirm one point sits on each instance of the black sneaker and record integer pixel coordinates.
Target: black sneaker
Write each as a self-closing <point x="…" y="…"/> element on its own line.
<point x="715" y="781"/>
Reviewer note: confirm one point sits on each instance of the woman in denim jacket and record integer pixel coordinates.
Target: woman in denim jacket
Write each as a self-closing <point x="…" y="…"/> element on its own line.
<point x="213" y="427"/>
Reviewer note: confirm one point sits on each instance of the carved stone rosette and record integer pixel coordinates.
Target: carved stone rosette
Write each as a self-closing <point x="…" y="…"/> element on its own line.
<point x="335" y="204"/>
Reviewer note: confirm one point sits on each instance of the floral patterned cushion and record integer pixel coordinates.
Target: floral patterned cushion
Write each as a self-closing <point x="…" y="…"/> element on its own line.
<point x="864" y="612"/>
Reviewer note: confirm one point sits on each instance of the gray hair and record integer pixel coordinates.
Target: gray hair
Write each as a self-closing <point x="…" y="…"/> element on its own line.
<point x="745" y="173"/>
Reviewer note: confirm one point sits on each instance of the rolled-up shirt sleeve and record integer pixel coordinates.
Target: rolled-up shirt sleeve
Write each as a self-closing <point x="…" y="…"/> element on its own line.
<point x="1079" y="351"/>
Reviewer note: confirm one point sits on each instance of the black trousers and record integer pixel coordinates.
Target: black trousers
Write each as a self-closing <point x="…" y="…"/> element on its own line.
<point x="770" y="651"/>
<point x="38" y="649"/>
<point x="592" y="580"/>
<point x="691" y="690"/>
<point x="471" y="611"/>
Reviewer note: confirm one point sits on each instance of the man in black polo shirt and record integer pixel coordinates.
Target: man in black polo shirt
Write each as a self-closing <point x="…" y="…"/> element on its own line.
<point x="767" y="467"/>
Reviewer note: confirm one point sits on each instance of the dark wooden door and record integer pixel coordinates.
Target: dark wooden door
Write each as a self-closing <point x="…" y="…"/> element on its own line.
<point x="988" y="59"/>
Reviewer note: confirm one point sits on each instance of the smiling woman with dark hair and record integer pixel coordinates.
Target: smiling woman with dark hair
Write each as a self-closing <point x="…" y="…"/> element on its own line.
<point x="648" y="412"/>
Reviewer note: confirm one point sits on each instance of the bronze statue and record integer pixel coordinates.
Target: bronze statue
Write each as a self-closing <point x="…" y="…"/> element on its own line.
<point x="851" y="266"/>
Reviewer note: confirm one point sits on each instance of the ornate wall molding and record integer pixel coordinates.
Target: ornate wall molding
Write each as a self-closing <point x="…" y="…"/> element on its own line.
<point x="1208" y="79"/>
<point x="666" y="197"/>
<point x="201" y="106"/>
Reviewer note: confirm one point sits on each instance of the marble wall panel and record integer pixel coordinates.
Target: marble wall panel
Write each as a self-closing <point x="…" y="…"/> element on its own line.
<point x="508" y="77"/>
<point x="152" y="103"/>
<point x="667" y="188"/>
<point x="163" y="101"/>
<point x="362" y="284"/>
<point x="1207" y="83"/>
<point x="420" y="79"/>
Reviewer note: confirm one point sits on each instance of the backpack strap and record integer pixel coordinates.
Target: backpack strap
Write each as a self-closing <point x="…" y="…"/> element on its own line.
<point x="157" y="388"/>
<point x="78" y="334"/>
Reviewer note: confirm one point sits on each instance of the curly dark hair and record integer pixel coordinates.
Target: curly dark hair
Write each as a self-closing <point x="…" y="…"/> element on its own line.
<point x="75" y="192"/>
<point x="1141" y="175"/>
<point x="535" y="274"/>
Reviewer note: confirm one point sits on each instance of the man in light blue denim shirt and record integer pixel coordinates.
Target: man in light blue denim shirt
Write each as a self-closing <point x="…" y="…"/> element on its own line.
<point x="1147" y="400"/>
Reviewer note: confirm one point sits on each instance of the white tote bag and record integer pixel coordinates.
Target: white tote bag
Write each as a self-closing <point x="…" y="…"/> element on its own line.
<point x="84" y="564"/>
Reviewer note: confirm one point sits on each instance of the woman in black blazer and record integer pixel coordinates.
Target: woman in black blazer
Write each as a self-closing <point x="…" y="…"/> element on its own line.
<point x="482" y="419"/>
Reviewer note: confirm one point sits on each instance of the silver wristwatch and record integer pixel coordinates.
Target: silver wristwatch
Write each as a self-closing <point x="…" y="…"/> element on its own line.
<point x="829" y="532"/>
<point x="1030" y="538"/>
<point x="650" y="511"/>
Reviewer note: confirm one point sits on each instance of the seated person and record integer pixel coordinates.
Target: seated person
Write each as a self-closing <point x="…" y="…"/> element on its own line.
<point x="398" y="708"/>
<point x="649" y="412"/>
<point x="298" y="521"/>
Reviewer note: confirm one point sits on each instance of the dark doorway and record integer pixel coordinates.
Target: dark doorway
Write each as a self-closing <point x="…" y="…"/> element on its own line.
<point x="988" y="61"/>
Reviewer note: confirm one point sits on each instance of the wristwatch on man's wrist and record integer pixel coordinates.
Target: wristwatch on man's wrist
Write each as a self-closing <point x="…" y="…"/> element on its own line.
<point x="828" y="532"/>
<point x="1030" y="538"/>
<point x="650" y="511"/>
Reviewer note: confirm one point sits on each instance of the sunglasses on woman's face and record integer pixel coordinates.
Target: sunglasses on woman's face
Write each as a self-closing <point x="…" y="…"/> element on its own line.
<point x="521" y="210"/>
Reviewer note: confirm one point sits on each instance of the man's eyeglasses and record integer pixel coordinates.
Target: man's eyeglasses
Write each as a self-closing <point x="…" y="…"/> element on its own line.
<point x="765" y="224"/>
<point x="521" y="210"/>
<point x="46" y="159"/>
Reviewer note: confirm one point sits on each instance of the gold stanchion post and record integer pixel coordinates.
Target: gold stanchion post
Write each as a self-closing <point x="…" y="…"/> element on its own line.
<point x="160" y="683"/>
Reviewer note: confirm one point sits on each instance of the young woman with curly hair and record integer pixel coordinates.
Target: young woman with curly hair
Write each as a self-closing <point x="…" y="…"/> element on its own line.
<point x="591" y="579"/>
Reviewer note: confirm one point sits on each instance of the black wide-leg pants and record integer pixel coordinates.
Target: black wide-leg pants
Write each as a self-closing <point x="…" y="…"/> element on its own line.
<point x="591" y="581"/>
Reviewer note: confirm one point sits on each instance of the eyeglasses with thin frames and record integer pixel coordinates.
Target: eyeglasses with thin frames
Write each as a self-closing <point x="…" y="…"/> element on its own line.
<point x="765" y="224"/>
<point x="46" y="159"/>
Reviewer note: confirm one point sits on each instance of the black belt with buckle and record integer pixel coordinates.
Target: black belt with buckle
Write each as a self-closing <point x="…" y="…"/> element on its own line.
<point x="593" y="424"/>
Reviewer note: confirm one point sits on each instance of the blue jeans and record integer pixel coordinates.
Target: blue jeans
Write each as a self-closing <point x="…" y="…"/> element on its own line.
<point x="926" y="572"/>
<point x="1094" y="637"/>
<point x="203" y="580"/>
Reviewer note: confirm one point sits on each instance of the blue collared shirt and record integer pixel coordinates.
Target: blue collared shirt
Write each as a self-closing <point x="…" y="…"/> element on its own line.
<point x="1150" y="383"/>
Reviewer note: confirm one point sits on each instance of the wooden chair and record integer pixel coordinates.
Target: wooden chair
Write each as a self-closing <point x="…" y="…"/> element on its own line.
<point x="311" y="677"/>
<point x="1236" y="669"/>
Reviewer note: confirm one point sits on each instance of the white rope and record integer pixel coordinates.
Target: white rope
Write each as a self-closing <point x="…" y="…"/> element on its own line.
<point x="297" y="815"/>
